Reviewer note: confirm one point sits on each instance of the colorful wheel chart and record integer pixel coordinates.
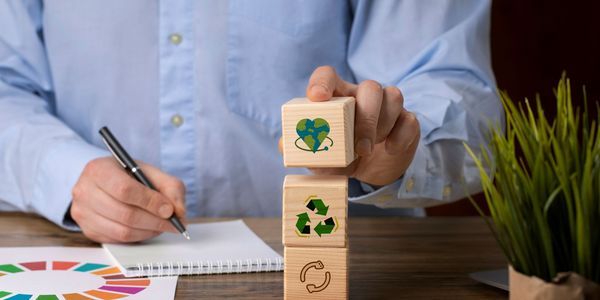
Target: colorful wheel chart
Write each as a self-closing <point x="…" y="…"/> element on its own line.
<point x="58" y="280"/>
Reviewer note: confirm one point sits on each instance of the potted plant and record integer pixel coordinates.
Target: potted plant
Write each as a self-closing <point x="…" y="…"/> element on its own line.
<point x="542" y="185"/>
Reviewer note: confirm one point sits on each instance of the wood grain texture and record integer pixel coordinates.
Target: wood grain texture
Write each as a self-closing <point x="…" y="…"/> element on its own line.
<point x="298" y="190"/>
<point x="338" y="112"/>
<point x="325" y="273"/>
<point x="389" y="258"/>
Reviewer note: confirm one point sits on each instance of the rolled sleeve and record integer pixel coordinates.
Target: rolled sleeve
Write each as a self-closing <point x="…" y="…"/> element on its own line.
<point x="445" y="75"/>
<point x="59" y="170"/>
<point x="41" y="157"/>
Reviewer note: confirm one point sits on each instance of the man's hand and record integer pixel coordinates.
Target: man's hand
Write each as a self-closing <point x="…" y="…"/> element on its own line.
<point x="110" y="206"/>
<point x="386" y="135"/>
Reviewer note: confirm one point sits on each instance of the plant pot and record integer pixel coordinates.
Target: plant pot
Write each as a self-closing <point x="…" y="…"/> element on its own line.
<point x="565" y="286"/>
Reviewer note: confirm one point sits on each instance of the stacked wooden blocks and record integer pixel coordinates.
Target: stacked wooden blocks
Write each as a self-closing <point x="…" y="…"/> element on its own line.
<point x="315" y="208"/>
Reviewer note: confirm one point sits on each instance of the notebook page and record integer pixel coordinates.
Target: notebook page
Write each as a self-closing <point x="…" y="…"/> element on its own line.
<point x="212" y="242"/>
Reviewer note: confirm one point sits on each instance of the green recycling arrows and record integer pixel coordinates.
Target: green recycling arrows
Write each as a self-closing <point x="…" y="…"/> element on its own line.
<point x="317" y="206"/>
<point x="325" y="229"/>
<point x="301" y="223"/>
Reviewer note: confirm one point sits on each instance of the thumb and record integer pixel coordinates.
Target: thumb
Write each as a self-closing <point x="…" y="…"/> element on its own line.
<point x="280" y="145"/>
<point x="324" y="83"/>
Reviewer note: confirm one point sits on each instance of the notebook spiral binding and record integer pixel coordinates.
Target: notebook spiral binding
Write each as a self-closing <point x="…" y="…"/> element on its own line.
<point x="206" y="267"/>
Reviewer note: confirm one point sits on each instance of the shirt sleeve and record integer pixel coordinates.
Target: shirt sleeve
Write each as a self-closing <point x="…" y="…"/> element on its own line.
<point x="41" y="158"/>
<point x="437" y="53"/>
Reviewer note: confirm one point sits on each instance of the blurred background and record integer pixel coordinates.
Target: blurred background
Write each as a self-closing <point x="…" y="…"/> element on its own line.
<point x="533" y="41"/>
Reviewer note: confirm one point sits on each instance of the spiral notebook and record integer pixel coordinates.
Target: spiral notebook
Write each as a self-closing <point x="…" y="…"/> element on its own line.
<point x="221" y="247"/>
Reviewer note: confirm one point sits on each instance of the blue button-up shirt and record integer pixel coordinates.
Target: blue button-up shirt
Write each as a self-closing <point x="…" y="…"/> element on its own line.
<point x="195" y="87"/>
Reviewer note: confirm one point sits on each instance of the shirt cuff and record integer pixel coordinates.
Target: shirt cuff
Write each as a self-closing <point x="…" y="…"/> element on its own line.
<point x="422" y="186"/>
<point x="379" y="197"/>
<point x="59" y="170"/>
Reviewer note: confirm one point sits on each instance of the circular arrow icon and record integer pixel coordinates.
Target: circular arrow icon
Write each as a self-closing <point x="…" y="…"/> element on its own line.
<point x="317" y="206"/>
<point x="318" y="265"/>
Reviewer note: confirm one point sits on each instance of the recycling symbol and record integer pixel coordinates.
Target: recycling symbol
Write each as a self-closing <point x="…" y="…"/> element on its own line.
<point x="317" y="206"/>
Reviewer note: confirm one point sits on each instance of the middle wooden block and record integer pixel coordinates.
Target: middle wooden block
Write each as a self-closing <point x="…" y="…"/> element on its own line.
<point x="315" y="209"/>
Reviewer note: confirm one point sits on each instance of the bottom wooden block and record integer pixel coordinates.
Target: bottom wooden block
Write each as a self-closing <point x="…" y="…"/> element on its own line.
<point x="315" y="273"/>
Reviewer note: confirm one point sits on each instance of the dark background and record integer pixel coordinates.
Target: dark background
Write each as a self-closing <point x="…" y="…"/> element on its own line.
<point x="533" y="42"/>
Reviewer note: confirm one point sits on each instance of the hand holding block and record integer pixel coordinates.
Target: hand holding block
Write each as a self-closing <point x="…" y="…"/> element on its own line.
<point x="315" y="273"/>
<point x="314" y="211"/>
<point x="318" y="134"/>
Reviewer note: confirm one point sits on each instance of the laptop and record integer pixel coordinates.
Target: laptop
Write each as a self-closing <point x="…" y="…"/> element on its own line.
<point x="496" y="278"/>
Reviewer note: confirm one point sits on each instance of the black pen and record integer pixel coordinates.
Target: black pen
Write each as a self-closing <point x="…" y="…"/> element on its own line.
<point x="129" y="164"/>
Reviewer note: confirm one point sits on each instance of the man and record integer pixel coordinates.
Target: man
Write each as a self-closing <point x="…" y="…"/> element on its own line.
<point x="194" y="89"/>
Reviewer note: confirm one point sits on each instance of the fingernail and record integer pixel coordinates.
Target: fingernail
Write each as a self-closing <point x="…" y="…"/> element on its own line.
<point x="319" y="90"/>
<point x="165" y="211"/>
<point x="364" y="147"/>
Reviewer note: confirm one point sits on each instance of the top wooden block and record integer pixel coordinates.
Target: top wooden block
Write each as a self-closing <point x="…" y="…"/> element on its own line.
<point x="318" y="134"/>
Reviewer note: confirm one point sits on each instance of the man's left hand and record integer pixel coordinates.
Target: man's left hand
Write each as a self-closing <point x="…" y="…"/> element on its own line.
<point x="386" y="134"/>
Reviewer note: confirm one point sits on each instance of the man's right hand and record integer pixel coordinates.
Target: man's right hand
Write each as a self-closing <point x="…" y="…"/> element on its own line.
<point x="110" y="206"/>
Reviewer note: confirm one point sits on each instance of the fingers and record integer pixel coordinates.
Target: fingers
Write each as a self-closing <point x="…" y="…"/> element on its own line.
<point x="369" y="98"/>
<point x="385" y="133"/>
<point x="124" y="188"/>
<point x="114" y="232"/>
<point x="170" y="186"/>
<point x="109" y="205"/>
<point x="131" y="216"/>
<point x="99" y="227"/>
<point x="324" y="83"/>
<point x="391" y="107"/>
<point x="405" y="135"/>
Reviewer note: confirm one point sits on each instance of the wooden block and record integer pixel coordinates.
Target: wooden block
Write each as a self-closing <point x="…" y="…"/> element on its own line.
<point x="318" y="134"/>
<point x="315" y="273"/>
<point x="315" y="209"/>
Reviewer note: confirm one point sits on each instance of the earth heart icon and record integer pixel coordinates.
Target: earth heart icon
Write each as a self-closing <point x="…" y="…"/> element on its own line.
<point x="313" y="133"/>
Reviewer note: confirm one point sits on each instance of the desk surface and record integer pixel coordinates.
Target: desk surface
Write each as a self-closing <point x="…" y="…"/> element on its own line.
<point x="396" y="258"/>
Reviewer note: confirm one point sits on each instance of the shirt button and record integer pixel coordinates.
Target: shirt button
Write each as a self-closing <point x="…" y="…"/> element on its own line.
<point x="175" y="39"/>
<point x="447" y="191"/>
<point x="177" y="120"/>
<point x="383" y="199"/>
<point x="410" y="184"/>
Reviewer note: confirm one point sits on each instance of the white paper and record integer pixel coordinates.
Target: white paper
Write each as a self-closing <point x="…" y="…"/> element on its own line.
<point x="211" y="243"/>
<point x="51" y="275"/>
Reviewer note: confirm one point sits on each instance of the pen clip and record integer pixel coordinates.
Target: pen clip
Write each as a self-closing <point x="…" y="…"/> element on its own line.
<point x="113" y="153"/>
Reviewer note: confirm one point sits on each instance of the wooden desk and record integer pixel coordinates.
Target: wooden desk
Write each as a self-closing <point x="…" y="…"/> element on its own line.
<point x="399" y="258"/>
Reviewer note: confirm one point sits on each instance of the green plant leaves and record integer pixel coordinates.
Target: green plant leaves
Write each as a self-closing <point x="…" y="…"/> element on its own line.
<point x="544" y="188"/>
